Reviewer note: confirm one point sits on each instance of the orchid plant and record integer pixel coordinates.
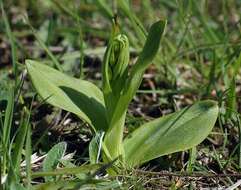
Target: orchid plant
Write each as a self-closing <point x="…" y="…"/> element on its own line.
<point x="105" y="109"/>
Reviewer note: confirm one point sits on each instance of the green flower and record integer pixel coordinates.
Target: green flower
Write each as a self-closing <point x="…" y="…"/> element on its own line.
<point x="116" y="63"/>
<point x="119" y="57"/>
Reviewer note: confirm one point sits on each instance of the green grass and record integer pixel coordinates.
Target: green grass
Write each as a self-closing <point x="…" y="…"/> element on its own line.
<point x="199" y="58"/>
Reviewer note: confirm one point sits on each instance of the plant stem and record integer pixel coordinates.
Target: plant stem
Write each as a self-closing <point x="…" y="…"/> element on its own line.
<point x="113" y="138"/>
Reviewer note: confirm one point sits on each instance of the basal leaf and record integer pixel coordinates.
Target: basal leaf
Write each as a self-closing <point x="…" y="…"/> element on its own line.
<point x="74" y="95"/>
<point x="52" y="159"/>
<point x="172" y="133"/>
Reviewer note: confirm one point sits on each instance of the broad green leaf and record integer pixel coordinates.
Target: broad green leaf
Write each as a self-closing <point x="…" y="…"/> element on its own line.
<point x="74" y="95"/>
<point x="145" y="58"/>
<point x="52" y="159"/>
<point x="172" y="133"/>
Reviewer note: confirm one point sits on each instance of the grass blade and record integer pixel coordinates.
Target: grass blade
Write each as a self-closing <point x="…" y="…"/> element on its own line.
<point x="11" y="40"/>
<point x="67" y="171"/>
<point x="28" y="156"/>
<point x="7" y="128"/>
<point x="20" y="139"/>
<point x="44" y="46"/>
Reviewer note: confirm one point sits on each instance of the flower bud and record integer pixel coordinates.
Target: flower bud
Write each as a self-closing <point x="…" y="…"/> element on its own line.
<point x="116" y="62"/>
<point x="119" y="56"/>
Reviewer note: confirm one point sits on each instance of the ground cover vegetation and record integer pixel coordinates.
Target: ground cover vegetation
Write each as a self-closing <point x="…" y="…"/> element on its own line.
<point x="100" y="94"/>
